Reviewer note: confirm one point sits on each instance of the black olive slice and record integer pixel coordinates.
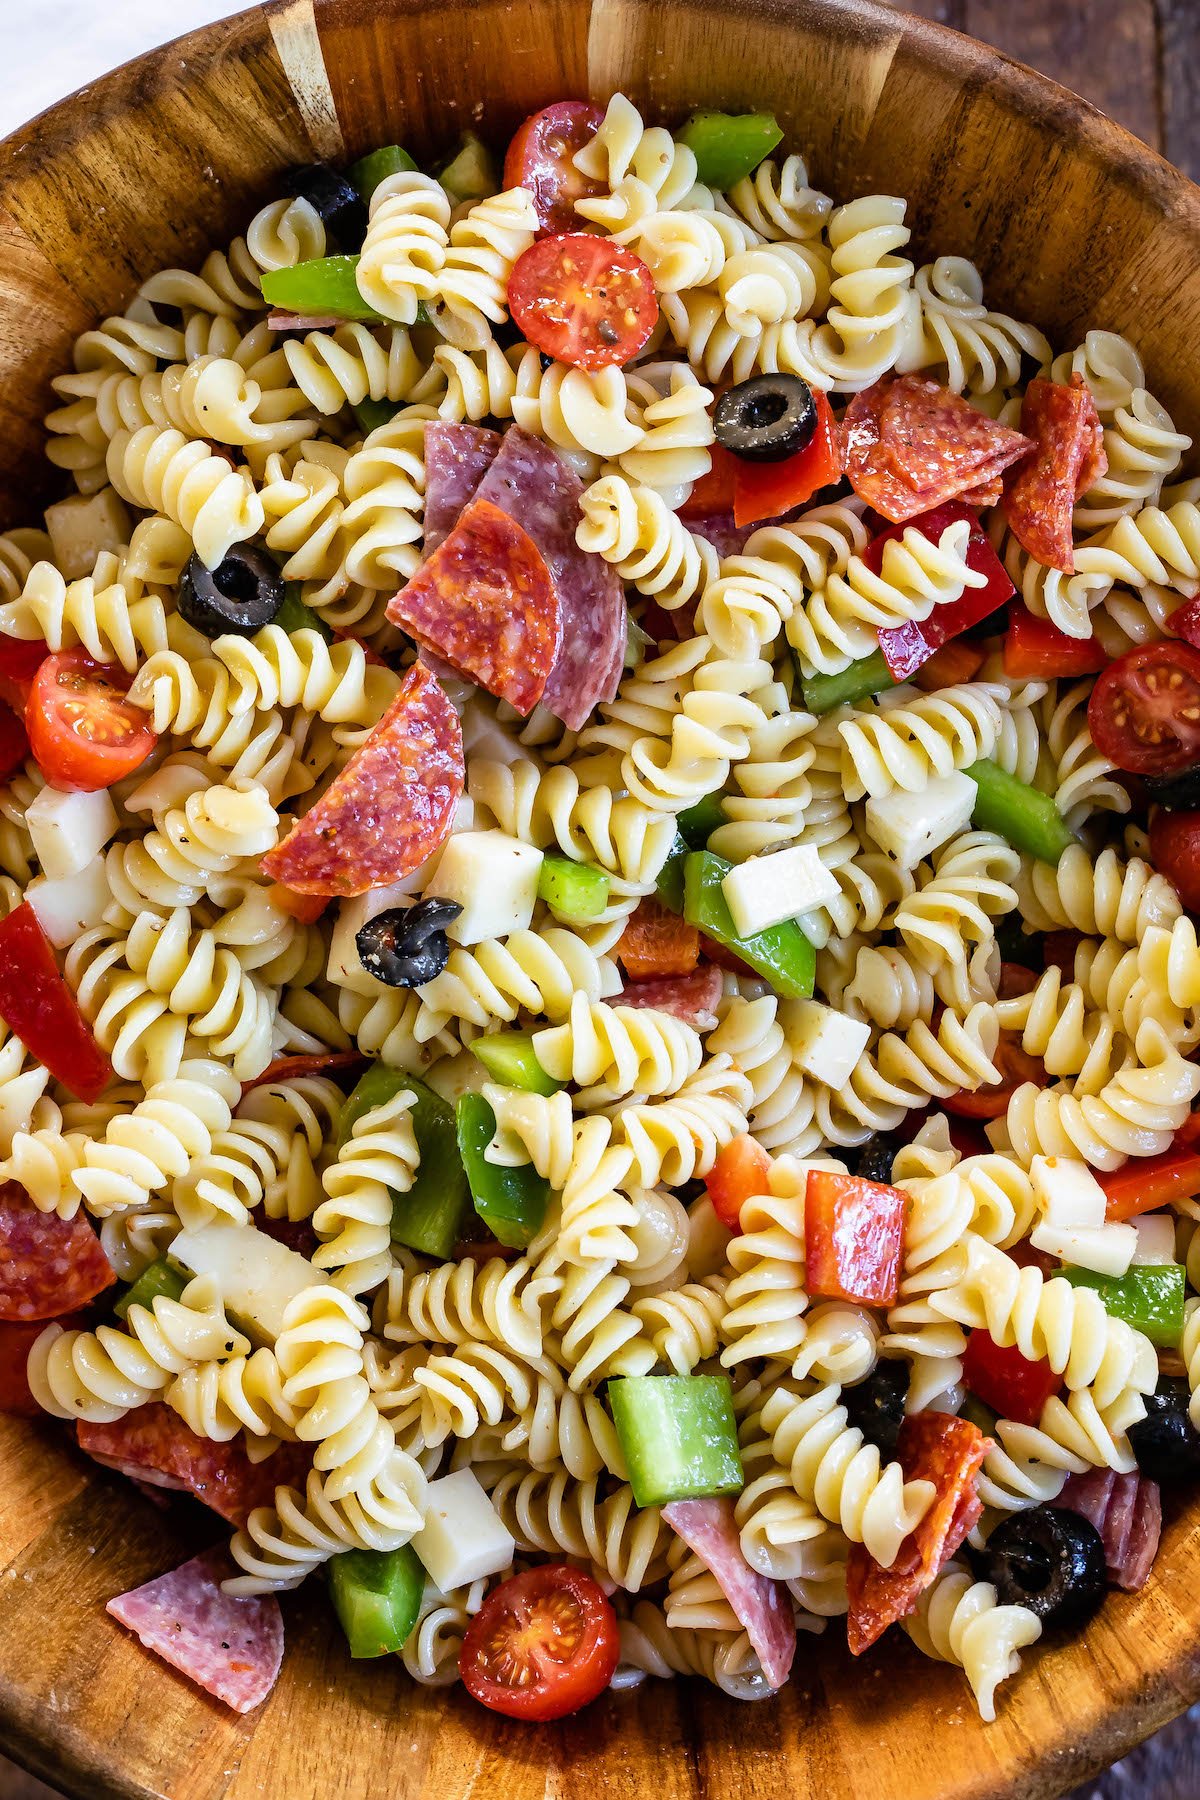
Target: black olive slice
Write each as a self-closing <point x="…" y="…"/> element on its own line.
<point x="1050" y="1560"/>
<point x="876" y="1405"/>
<point x="766" y="418"/>
<point x="340" y="205"/>
<point x="407" y="945"/>
<point x="1165" y="1442"/>
<point x="241" y="595"/>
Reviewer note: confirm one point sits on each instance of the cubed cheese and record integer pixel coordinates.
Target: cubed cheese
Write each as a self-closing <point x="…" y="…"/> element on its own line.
<point x="69" y="830"/>
<point x="910" y="826"/>
<point x="1156" y="1238"/>
<point x="82" y="526"/>
<point x="485" y="740"/>
<point x="824" y="1044"/>
<point x="1067" y="1193"/>
<point x="258" y="1277"/>
<point x="456" y="1075"/>
<point x="1106" y="1249"/>
<point x="493" y="877"/>
<point x="463" y="1537"/>
<point x="768" y="889"/>
<point x="67" y="908"/>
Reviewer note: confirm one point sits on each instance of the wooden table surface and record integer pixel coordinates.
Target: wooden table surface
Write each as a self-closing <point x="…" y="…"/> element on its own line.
<point x="1139" y="61"/>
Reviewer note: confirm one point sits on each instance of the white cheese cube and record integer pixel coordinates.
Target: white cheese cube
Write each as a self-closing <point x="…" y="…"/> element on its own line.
<point x="1106" y="1249"/>
<point x="486" y="740"/>
<point x="82" y="526"/>
<point x="1156" y="1238"/>
<point x="69" y="830"/>
<point x="768" y="889"/>
<point x="67" y="908"/>
<point x="456" y="1075"/>
<point x="910" y="826"/>
<point x="493" y="877"/>
<point x="463" y="1537"/>
<point x="1067" y="1193"/>
<point x="824" y="1043"/>
<point x="258" y="1277"/>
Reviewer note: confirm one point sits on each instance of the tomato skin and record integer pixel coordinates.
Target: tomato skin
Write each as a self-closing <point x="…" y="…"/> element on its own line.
<point x="767" y="490"/>
<point x="82" y="730"/>
<point x="20" y="660"/>
<point x="1017" y="1067"/>
<point x="14" y="741"/>
<point x="853" y="1237"/>
<point x="542" y="1645"/>
<point x="583" y="300"/>
<point x="540" y="158"/>
<point x="742" y="1168"/>
<point x="1175" y="852"/>
<point x="1137" y="711"/>
<point x="1013" y="1385"/>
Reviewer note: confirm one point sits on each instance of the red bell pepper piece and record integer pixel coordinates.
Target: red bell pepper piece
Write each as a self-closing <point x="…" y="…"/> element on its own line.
<point x="20" y="660"/>
<point x="713" y="493"/>
<point x="1013" y="1385"/>
<point x="38" y="1007"/>
<point x="14" y="742"/>
<point x="289" y="1068"/>
<point x="767" y="490"/>
<point x="1059" y="947"/>
<point x="1185" y="622"/>
<point x="742" y="1168"/>
<point x="1036" y="650"/>
<point x="1147" y="1182"/>
<point x="657" y="943"/>
<point x="906" y="647"/>
<point x="854" y="1236"/>
<point x="959" y="660"/>
<point x="1016" y="1066"/>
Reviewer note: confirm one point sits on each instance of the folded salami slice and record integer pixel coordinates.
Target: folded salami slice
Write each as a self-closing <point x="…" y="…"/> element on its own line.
<point x="1127" y="1512"/>
<point x="457" y="457"/>
<point x="391" y="806"/>
<point x="232" y="1648"/>
<point x="692" y="998"/>
<point x="155" y="1445"/>
<point x="48" y="1265"/>
<point x="485" y="602"/>
<point x="1067" y="459"/>
<point x="762" y="1606"/>
<point x="909" y="445"/>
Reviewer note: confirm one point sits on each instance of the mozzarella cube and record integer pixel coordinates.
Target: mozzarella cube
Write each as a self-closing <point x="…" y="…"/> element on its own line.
<point x="258" y="1277"/>
<point x="1106" y="1249"/>
<point x="67" y="908"/>
<point x="493" y="877"/>
<point x="824" y="1044"/>
<point x="910" y="826"/>
<point x="1156" y="1238"/>
<point x="82" y="526"/>
<point x="463" y="1537"/>
<point x="69" y="830"/>
<point x="766" y="890"/>
<point x="1067" y="1193"/>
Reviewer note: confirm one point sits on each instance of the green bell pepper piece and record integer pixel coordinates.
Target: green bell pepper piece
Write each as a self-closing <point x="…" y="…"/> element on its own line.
<point x="367" y="173"/>
<point x="697" y="823"/>
<point x="851" y="684"/>
<point x="324" y="285"/>
<point x="159" y="1278"/>
<point x="508" y="1058"/>
<point x="295" y="615"/>
<point x="729" y="146"/>
<point x="1149" y="1297"/>
<point x="471" y="173"/>
<point x="511" y="1202"/>
<point x="781" y="954"/>
<point x="669" y="882"/>
<point x="376" y="1595"/>
<point x="371" y="414"/>
<point x="678" y="1436"/>
<point x="1025" y="818"/>
<point x="979" y="1413"/>
<point x="431" y="1215"/>
<point x="573" y="890"/>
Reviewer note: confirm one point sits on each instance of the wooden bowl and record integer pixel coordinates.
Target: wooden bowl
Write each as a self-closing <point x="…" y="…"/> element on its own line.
<point x="1073" y="223"/>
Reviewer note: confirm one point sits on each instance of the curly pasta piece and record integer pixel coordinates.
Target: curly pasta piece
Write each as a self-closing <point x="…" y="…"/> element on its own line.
<point x="431" y="1652"/>
<point x="212" y="397"/>
<point x="773" y="790"/>
<point x="105" y="615"/>
<point x="286" y="232"/>
<point x="283" y="1543"/>
<point x="552" y="808"/>
<point x="973" y="882"/>
<point x="353" y="363"/>
<point x="472" y="284"/>
<point x="581" y="413"/>
<point x="959" y="1620"/>
<point x="465" y="1302"/>
<point x="165" y="473"/>
<point x="649" y="545"/>
<point x="144" y="1149"/>
<point x="643" y="168"/>
<point x="1110" y="897"/>
<point x="903" y="1071"/>
<point x="650" y="1646"/>
<point x="777" y="1529"/>
<point x="319" y="1351"/>
<point x="378" y="1160"/>
<point x="951" y="328"/>
<point x="221" y="1399"/>
<point x="684" y="1325"/>
<point x="542" y="972"/>
<point x="613" y="1051"/>
<point x="777" y="201"/>
<point x="1055" y="1023"/>
<point x="384" y="484"/>
<point x="906" y="745"/>
<point x="549" y="1511"/>
<point x="766" y="1299"/>
<point x="404" y="250"/>
<point x="298" y="668"/>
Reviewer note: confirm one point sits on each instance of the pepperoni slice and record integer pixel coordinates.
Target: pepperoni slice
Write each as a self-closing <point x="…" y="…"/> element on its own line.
<point x="230" y="1646"/>
<point x="486" y="604"/>
<point x="391" y="806"/>
<point x="156" y="1445"/>
<point x="909" y="445"/>
<point x="48" y="1265"/>
<point x="692" y="998"/>
<point x="1068" y="457"/>
<point x="16" y="1341"/>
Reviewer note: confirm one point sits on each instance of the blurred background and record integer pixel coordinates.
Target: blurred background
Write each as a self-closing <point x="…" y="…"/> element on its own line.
<point x="1138" y="60"/>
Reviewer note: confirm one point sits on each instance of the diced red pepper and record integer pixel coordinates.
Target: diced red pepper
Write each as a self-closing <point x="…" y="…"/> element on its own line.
<point x="290" y="1068"/>
<point x="20" y="660"/>
<point x="742" y="1168"/>
<point x="1059" y="947"/>
<point x="657" y="942"/>
<point x="906" y="647"/>
<point x="1015" y="1065"/>
<point x="713" y="493"/>
<point x="959" y="660"/>
<point x="854" y="1237"/>
<point x="307" y="908"/>
<point x="1147" y="1182"/>
<point x="767" y="490"/>
<point x="1036" y="650"/>
<point x="727" y="959"/>
<point x="1013" y="1385"/>
<point x="38" y="1007"/>
<point x="1185" y="622"/>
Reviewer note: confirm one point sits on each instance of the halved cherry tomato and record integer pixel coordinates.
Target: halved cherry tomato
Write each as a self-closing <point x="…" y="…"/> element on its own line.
<point x="583" y="300"/>
<point x="542" y="1645"/>
<point x="1184" y="622"/>
<point x="1144" y="713"/>
<point x="1175" y="852"/>
<point x="767" y="490"/>
<point x="742" y="1168"/>
<point x="541" y="158"/>
<point x="713" y="493"/>
<point x="1015" y="1386"/>
<point x="656" y="942"/>
<point x="1015" y="1065"/>
<point x="83" y="731"/>
<point x="1036" y="650"/>
<point x="20" y="660"/>
<point x="853" y="1237"/>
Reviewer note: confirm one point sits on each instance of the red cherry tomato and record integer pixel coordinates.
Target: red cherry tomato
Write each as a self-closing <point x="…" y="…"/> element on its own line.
<point x="1175" y="852"/>
<point x="542" y="158"/>
<point x="542" y="1645"/>
<point x="583" y="300"/>
<point x="82" y="730"/>
<point x="1016" y="1067"/>
<point x="742" y="1168"/>
<point x="1144" y="713"/>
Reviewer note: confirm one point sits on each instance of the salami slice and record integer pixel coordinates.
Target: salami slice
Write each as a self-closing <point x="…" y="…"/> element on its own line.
<point x="535" y="487"/>
<point x="391" y="806"/>
<point x="708" y="1527"/>
<point x="156" y="1445"/>
<point x="692" y="998"/>
<point x="282" y="320"/>
<point x="657" y="942"/>
<point x="1067" y="458"/>
<point x="485" y="602"/>
<point x="909" y="445"/>
<point x="48" y="1265"/>
<point x="16" y="1341"/>
<point x="457" y="457"/>
<point x="1127" y="1512"/>
<point x="231" y="1647"/>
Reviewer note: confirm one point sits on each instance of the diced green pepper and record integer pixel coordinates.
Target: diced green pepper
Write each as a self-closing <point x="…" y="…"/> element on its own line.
<point x="295" y="615"/>
<point x="573" y="890"/>
<point x="159" y="1278"/>
<point x="669" y="883"/>
<point x="324" y="285"/>
<point x="781" y="954"/>
<point x="729" y="146"/>
<point x="371" y="414"/>
<point x="1025" y="818"/>
<point x="978" y="1413"/>
<point x="431" y="1215"/>
<point x="377" y="1596"/>
<point x="678" y="1436"/>
<point x="851" y="684"/>
<point x="511" y="1202"/>
<point x="508" y="1058"/>
<point x="369" y="171"/>
<point x="697" y="823"/>
<point x="1149" y="1297"/>
<point x="471" y="174"/>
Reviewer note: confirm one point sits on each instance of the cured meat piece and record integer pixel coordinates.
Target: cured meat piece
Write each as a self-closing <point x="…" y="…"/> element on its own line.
<point x="909" y="445"/>
<point x="485" y="602"/>
<point x="232" y="1648"/>
<point x="1067" y="458"/>
<point x="533" y="485"/>
<point x="657" y="942"/>
<point x="932" y="1447"/>
<point x="154" y="1444"/>
<point x="389" y="809"/>
<point x="692" y="998"/>
<point x="1141" y="1546"/>
<point x="1127" y="1512"/>
<point x="16" y="1341"/>
<point x="288" y="1068"/>
<point x="297" y="1234"/>
<point x="762" y="1606"/>
<point x="282" y="320"/>
<point x="48" y="1265"/>
<point x="1088" y="1495"/>
<point x="457" y="457"/>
